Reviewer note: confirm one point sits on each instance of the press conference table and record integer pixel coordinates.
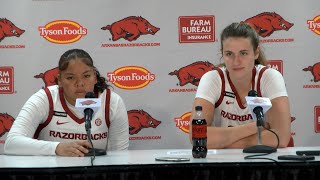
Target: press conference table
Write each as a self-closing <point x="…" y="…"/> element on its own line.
<point x="141" y="164"/>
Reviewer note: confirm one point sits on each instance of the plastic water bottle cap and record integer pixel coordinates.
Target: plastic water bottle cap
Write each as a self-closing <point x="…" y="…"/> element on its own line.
<point x="198" y="108"/>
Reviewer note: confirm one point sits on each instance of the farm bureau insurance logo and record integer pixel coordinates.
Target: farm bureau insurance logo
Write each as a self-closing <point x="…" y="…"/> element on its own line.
<point x="6" y="80"/>
<point x="317" y="119"/>
<point x="276" y="64"/>
<point x="183" y="122"/>
<point x="314" y="25"/>
<point x="315" y="72"/>
<point x="62" y="31"/>
<point x="131" y="77"/>
<point x="196" y="29"/>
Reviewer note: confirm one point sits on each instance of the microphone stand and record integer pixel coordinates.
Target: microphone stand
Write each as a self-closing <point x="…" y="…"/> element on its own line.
<point x="259" y="148"/>
<point x="92" y="151"/>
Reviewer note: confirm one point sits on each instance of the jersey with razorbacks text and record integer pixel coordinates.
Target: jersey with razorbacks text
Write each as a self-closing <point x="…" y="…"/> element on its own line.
<point x="63" y="124"/>
<point x="216" y="87"/>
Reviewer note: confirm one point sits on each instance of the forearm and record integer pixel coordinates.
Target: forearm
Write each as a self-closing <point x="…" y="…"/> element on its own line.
<point x="270" y="139"/>
<point x="21" y="145"/>
<point x="219" y="137"/>
<point x="267" y="138"/>
<point x="19" y="139"/>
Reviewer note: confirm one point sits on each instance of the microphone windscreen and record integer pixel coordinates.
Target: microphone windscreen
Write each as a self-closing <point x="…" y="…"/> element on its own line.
<point x="253" y="93"/>
<point x="90" y="95"/>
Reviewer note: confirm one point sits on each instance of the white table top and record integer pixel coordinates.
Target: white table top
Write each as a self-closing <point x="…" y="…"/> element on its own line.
<point x="140" y="157"/>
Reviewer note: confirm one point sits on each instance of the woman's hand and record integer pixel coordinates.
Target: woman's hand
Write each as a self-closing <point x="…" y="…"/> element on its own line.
<point x="73" y="149"/>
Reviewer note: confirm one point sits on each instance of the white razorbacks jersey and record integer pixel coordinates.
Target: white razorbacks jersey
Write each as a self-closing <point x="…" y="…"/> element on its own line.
<point x="229" y="111"/>
<point x="216" y="87"/>
<point x="62" y="125"/>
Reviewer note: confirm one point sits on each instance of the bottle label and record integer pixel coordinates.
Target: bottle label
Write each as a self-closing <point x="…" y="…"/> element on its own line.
<point x="199" y="131"/>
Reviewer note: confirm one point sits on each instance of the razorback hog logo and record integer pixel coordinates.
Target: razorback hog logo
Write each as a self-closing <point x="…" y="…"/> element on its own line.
<point x="87" y="102"/>
<point x="130" y="28"/>
<point x="6" y="122"/>
<point x="7" y="29"/>
<point x="258" y="101"/>
<point x="268" y="22"/>
<point x="315" y="71"/>
<point x="49" y="77"/>
<point x="139" y="119"/>
<point x="192" y="73"/>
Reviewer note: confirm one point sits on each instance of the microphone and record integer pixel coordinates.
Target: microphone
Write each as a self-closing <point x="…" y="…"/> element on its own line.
<point x="258" y="107"/>
<point x="88" y="106"/>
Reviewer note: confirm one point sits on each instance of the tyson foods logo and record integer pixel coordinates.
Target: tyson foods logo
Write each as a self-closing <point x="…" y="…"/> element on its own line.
<point x="315" y="72"/>
<point x="194" y="29"/>
<point x="183" y="122"/>
<point x="131" y="77"/>
<point x="139" y="119"/>
<point x="6" y="80"/>
<point x="8" y="29"/>
<point x="62" y="31"/>
<point x="130" y="28"/>
<point x="48" y="77"/>
<point x="6" y="122"/>
<point x="314" y="24"/>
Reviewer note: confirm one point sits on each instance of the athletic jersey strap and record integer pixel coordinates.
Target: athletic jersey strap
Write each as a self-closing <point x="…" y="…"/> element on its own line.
<point x="41" y="126"/>
<point x="107" y="107"/>
<point x="222" y="90"/>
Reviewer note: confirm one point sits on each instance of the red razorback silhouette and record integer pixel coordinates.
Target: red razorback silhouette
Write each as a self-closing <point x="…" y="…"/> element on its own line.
<point x="6" y="122"/>
<point x="7" y="29"/>
<point x="88" y="102"/>
<point x="130" y="28"/>
<point x="192" y="73"/>
<point x="315" y="71"/>
<point x="139" y="119"/>
<point x="267" y="22"/>
<point x="49" y="77"/>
